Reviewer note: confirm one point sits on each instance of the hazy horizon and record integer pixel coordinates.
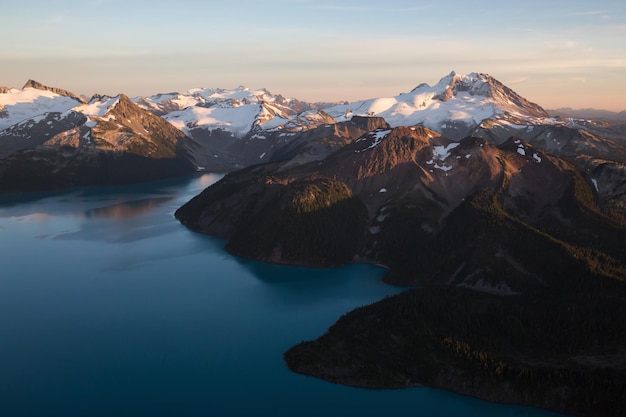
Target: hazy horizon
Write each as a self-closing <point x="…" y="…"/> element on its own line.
<point x="561" y="54"/>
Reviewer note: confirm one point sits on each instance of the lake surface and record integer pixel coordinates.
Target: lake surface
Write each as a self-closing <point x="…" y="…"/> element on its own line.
<point x="109" y="307"/>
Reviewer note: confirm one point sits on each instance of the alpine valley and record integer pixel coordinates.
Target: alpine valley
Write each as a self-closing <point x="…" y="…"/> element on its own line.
<point x="510" y="221"/>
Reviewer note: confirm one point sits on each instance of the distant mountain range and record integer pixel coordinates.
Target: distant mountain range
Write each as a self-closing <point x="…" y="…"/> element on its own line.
<point x="57" y="136"/>
<point x="588" y="114"/>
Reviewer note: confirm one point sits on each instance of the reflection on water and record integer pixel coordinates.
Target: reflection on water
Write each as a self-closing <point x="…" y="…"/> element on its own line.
<point x="127" y="209"/>
<point x="99" y="200"/>
<point x="119" y="214"/>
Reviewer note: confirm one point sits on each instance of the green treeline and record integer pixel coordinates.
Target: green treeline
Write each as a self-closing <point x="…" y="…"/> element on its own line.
<point x="316" y="222"/>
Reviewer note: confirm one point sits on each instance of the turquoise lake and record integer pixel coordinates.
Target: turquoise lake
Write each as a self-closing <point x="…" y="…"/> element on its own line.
<point x="110" y="307"/>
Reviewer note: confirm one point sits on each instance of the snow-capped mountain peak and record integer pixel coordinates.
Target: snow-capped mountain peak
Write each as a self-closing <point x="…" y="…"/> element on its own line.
<point x="98" y="109"/>
<point x="481" y="85"/>
<point x="98" y="106"/>
<point x="456" y="105"/>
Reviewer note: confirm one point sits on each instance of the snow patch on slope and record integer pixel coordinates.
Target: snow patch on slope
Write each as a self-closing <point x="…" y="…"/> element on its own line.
<point x="443" y="152"/>
<point x="377" y="136"/>
<point x="98" y="107"/>
<point x="440" y="154"/>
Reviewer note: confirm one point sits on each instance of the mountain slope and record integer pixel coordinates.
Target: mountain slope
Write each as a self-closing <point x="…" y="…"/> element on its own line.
<point x="414" y="179"/>
<point x="118" y="124"/>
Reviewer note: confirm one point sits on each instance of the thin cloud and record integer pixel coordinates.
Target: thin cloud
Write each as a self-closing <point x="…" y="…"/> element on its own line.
<point x="55" y="19"/>
<point x="518" y="80"/>
<point x="561" y="46"/>
<point x="591" y="13"/>
<point x="366" y="7"/>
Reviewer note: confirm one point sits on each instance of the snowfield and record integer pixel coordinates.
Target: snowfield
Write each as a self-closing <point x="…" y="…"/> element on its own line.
<point x="236" y="120"/>
<point x="20" y="105"/>
<point x="98" y="107"/>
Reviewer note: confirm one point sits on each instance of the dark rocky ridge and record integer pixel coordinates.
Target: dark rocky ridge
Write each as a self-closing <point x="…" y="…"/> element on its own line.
<point x="588" y="113"/>
<point x="52" y="168"/>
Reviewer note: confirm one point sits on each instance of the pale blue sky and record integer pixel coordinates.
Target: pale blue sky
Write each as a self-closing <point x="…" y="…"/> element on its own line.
<point x="556" y="53"/>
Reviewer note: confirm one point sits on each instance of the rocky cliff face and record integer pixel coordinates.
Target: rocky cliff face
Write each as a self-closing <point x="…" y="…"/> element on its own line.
<point x="128" y="128"/>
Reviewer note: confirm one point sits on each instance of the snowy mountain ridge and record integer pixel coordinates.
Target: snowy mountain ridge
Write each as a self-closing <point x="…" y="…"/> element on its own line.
<point x="237" y="111"/>
<point x="232" y="127"/>
<point x="454" y="106"/>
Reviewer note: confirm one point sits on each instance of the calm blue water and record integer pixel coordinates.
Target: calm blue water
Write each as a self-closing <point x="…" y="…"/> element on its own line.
<point x="109" y="307"/>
